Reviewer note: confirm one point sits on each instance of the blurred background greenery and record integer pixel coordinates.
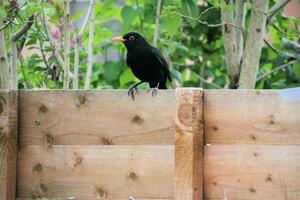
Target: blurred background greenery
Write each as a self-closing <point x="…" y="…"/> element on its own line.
<point x="189" y="37"/>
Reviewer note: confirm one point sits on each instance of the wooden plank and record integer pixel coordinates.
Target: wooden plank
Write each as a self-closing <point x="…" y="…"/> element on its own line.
<point x="252" y="117"/>
<point x="96" y="171"/>
<point x="188" y="145"/>
<point x="252" y="172"/>
<point x="8" y="144"/>
<point x="96" y="117"/>
<point x="70" y="198"/>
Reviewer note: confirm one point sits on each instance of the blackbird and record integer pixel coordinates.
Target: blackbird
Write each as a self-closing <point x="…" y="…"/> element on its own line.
<point x="146" y="62"/>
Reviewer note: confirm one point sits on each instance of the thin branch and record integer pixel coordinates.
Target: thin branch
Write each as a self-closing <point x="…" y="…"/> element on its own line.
<point x="67" y="44"/>
<point x="157" y="18"/>
<point x="270" y="46"/>
<point x="76" y="61"/>
<point x="16" y="36"/>
<point x="205" y="81"/>
<point x="90" y="50"/>
<point x="276" y="69"/>
<point x="4" y="65"/>
<point x="86" y="19"/>
<point x="240" y="22"/>
<point x="52" y="42"/>
<point x="13" y="60"/>
<point x="276" y="8"/>
<point x="281" y="31"/>
<point x="206" y="23"/>
<point x="3" y="26"/>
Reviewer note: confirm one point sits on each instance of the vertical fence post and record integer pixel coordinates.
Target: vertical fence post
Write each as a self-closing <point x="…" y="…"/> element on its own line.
<point x="189" y="144"/>
<point x="8" y="143"/>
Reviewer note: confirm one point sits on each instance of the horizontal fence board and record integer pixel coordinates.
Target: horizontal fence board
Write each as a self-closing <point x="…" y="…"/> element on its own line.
<point x="252" y="172"/>
<point x="96" y="117"/>
<point x="83" y="199"/>
<point x="93" y="171"/>
<point x="251" y="117"/>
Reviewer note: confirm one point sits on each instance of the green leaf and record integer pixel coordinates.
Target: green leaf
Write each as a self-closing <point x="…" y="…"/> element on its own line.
<point x="111" y="71"/>
<point x="171" y="24"/>
<point x="126" y="77"/>
<point x="2" y="11"/>
<point x="129" y="14"/>
<point x="189" y="8"/>
<point x="296" y="68"/>
<point x="176" y="74"/>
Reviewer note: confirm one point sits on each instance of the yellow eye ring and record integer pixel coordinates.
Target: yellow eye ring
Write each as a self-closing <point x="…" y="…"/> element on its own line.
<point x="131" y="38"/>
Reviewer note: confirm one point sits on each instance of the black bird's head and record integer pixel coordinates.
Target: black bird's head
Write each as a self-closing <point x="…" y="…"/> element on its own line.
<point x="132" y="41"/>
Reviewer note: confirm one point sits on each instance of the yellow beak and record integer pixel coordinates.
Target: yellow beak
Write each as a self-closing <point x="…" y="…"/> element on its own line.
<point x="119" y="39"/>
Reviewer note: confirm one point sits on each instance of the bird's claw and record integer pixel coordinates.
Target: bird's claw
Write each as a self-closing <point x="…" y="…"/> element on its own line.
<point x="131" y="92"/>
<point x="153" y="91"/>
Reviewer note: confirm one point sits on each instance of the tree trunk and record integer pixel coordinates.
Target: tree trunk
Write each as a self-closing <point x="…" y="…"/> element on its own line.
<point x="254" y="45"/>
<point x="229" y="38"/>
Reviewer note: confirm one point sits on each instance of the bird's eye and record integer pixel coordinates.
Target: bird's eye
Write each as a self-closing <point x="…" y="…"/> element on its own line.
<point x="131" y="38"/>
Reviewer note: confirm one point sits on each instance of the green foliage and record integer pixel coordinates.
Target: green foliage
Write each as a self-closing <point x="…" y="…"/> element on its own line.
<point x="194" y="50"/>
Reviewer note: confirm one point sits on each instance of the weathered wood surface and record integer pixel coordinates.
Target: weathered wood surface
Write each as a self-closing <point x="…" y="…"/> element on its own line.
<point x="251" y="117"/>
<point x="252" y="172"/>
<point x="8" y="144"/>
<point x="96" y="171"/>
<point x="188" y="145"/>
<point x="96" y="117"/>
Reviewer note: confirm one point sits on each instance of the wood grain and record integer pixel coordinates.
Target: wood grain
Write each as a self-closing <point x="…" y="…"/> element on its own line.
<point x="8" y="144"/>
<point x="95" y="171"/>
<point x="251" y="117"/>
<point x="96" y="117"/>
<point x="188" y="144"/>
<point x="252" y="172"/>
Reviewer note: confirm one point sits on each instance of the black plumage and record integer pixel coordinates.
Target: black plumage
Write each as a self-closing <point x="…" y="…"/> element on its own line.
<point x="146" y="62"/>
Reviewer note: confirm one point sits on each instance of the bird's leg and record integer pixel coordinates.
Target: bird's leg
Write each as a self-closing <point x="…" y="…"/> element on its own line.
<point x="154" y="90"/>
<point x="132" y="88"/>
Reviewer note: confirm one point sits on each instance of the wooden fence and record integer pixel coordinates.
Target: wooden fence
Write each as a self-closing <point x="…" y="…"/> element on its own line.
<point x="183" y="144"/>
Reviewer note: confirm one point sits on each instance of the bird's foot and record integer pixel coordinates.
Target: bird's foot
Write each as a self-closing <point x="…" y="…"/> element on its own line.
<point x="154" y="91"/>
<point x="132" y="90"/>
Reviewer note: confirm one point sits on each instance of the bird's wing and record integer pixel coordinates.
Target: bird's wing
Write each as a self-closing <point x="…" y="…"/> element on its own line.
<point x="160" y="58"/>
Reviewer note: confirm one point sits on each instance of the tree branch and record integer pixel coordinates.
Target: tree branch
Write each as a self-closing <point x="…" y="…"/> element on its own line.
<point x="230" y="46"/>
<point x="4" y="65"/>
<point x="86" y="19"/>
<point x="90" y="50"/>
<point x="240" y="22"/>
<point x="158" y="8"/>
<point x="254" y="45"/>
<point x="67" y="44"/>
<point x="276" y="8"/>
<point x="16" y="36"/>
<point x="276" y="69"/>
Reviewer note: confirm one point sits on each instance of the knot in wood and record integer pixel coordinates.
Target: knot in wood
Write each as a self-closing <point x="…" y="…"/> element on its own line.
<point x="185" y="114"/>
<point x="43" y="109"/>
<point x="106" y="141"/>
<point x="101" y="192"/>
<point x="43" y="187"/>
<point x="132" y="176"/>
<point x="81" y="101"/>
<point x="137" y="120"/>
<point x="37" y="122"/>
<point x="37" y="168"/>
